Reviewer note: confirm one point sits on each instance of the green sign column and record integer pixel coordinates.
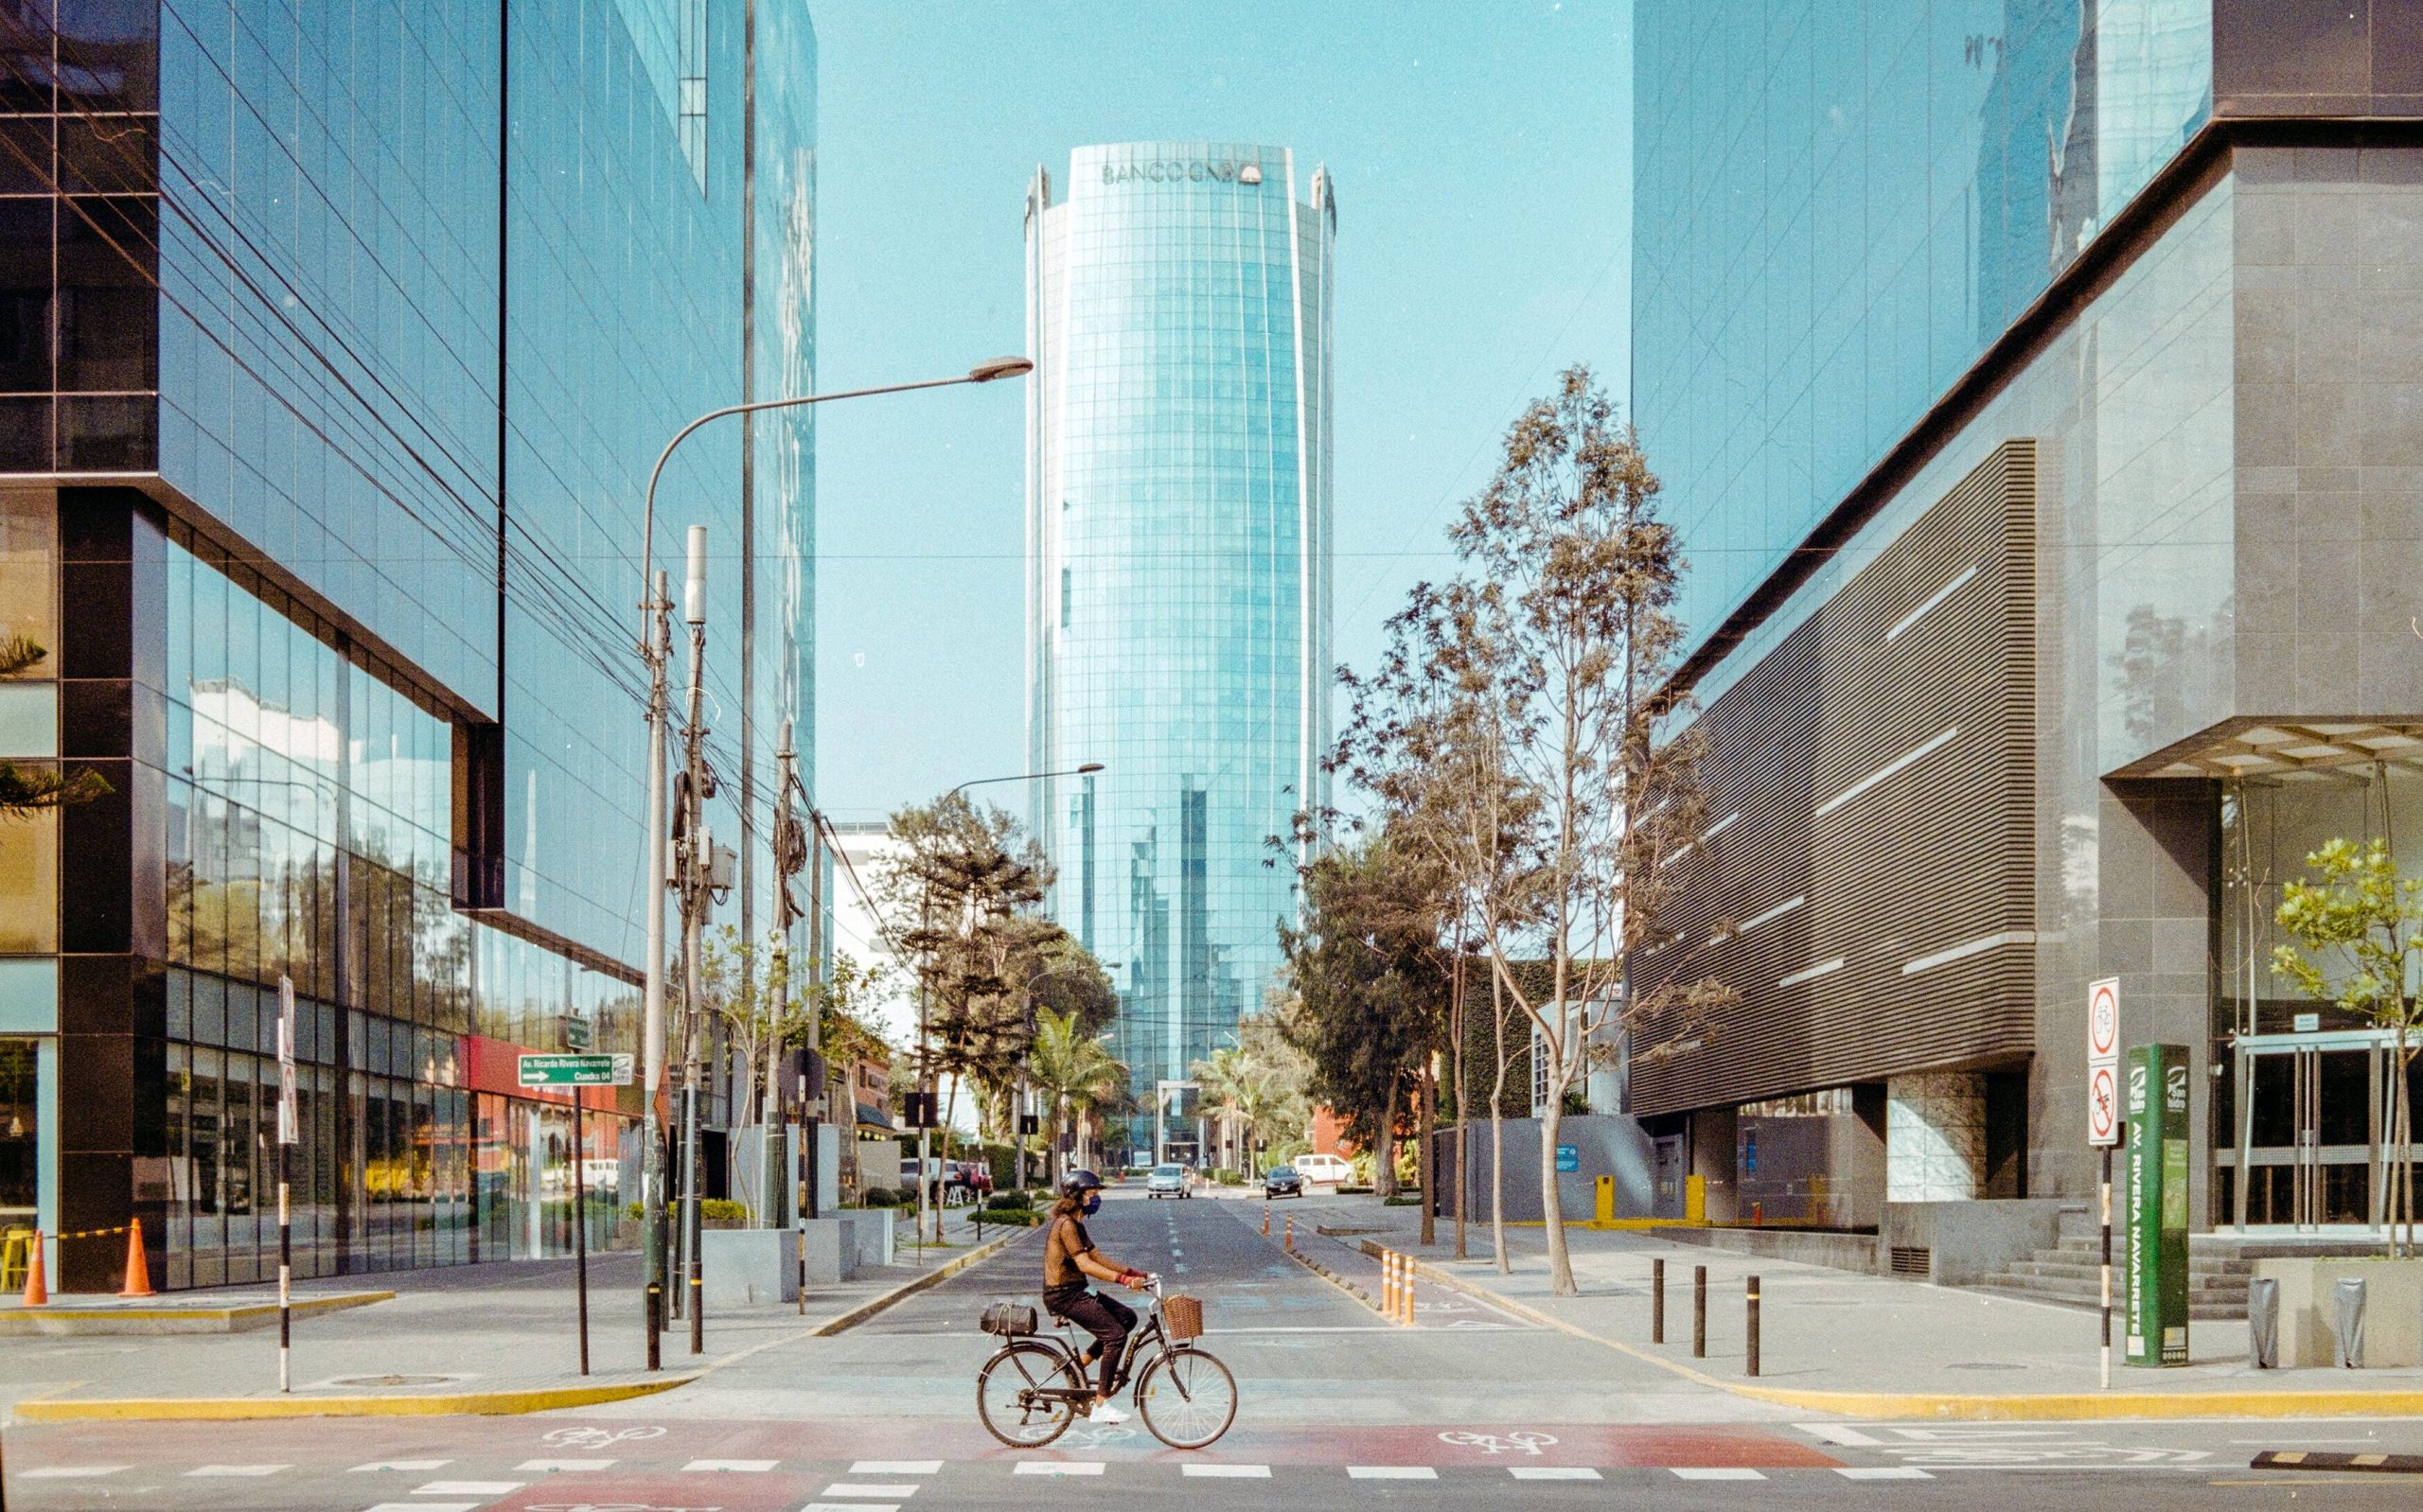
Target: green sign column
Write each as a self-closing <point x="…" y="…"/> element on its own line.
<point x="2156" y="1177"/>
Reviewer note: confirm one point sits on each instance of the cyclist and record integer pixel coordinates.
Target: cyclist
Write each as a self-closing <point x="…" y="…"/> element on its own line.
<point x="1069" y="1258"/>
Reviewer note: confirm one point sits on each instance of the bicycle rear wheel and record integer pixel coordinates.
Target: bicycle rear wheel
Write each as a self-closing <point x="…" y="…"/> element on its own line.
<point x="1017" y="1395"/>
<point x="1188" y="1398"/>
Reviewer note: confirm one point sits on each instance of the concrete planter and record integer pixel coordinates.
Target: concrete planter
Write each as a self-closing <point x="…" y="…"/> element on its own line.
<point x="874" y="1228"/>
<point x="2393" y="1333"/>
<point x="832" y="1247"/>
<point x="747" y="1265"/>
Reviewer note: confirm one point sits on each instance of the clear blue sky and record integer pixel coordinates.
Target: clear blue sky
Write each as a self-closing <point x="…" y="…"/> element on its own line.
<point x="1483" y="159"/>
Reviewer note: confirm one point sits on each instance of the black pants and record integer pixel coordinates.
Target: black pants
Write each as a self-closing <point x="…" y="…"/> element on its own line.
<point x="1109" y="1321"/>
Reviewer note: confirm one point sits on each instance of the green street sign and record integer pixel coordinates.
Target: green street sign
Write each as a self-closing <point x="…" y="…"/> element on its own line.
<point x="2156" y="1326"/>
<point x="576" y="1034"/>
<point x="575" y="1070"/>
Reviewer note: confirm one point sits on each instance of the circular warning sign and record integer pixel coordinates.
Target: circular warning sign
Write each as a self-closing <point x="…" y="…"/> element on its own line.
<point x="2103" y="1019"/>
<point x="2103" y="1105"/>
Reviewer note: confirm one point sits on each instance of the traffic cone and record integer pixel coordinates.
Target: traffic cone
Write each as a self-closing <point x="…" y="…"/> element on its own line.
<point x="37" y="1289"/>
<point x="138" y="1268"/>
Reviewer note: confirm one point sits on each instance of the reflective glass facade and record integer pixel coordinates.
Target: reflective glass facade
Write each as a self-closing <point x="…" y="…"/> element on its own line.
<point x="339" y="343"/>
<point x="1837" y="210"/>
<point x="1178" y="597"/>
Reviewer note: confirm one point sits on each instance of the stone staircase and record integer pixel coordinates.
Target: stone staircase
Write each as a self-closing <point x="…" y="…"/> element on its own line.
<point x="2219" y="1267"/>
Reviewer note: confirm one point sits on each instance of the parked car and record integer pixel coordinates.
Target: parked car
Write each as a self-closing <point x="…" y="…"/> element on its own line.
<point x="975" y="1176"/>
<point x="956" y="1181"/>
<point x="1281" y="1180"/>
<point x="1167" y="1181"/>
<point x="1322" y="1170"/>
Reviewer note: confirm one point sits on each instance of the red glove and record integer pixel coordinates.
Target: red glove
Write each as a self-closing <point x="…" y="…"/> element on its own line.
<point x="1133" y="1279"/>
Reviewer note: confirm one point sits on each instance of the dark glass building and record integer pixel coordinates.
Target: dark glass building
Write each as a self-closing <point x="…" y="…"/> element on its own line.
<point x="2038" y="389"/>
<point x="337" y="345"/>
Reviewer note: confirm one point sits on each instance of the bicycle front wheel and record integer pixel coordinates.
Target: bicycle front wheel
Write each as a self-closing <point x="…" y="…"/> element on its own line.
<point x="1018" y="1395"/>
<point x="1188" y="1398"/>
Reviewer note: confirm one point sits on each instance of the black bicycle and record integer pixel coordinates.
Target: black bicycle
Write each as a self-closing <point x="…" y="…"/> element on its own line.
<point x="1035" y="1385"/>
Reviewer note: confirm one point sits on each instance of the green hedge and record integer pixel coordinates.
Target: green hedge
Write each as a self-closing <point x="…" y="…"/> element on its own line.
<point x="1006" y="1217"/>
<point x="1010" y="1200"/>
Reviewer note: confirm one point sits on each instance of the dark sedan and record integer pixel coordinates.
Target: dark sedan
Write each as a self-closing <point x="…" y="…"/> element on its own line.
<point x="1281" y="1180"/>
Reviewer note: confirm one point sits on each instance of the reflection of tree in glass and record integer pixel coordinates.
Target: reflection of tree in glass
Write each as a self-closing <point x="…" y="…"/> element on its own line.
<point x="2157" y="668"/>
<point x="29" y="789"/>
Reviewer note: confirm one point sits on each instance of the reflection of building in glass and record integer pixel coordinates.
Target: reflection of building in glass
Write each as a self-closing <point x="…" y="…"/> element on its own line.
<point x="346" y="423"/>
<point x="2036" y="410"/>
<point x="1178" y="537"/>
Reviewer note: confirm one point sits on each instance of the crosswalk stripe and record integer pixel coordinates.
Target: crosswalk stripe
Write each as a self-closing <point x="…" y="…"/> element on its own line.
<point x="401" y="1465"/>
<point x="1837" y="1433"/>
<point x="470" y="1487"/>
<point x="1551" y="1472"/>
<point x="1716" y="1473"/>
<point x="1059" y="1467"/>
<point x="738" y="1466"/>
<point x="872" y="1490"/>
<point x="1230" y="1473"/>
<point x="427" y="1506"/>
<point x="1882" y="1473"/>
<point x="851" y="1506"/>
<point x="1390" y="1472"/>
<point x="559" y="1467"/>
<point x="897" y="1467"/>
<point x="216" y="1470"/>
<point x="69" y="1472"/>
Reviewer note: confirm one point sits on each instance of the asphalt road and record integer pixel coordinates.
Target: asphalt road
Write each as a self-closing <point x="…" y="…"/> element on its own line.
<point x="1470" y="1409"/>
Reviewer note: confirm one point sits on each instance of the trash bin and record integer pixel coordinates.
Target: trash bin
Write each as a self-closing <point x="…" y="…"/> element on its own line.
<point x="2263" y="1322"/>
<point x="2349" y="1294"/>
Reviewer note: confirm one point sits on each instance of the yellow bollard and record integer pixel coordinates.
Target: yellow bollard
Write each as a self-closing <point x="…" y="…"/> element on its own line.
<point x="1387" y="1283"/>
<point x="1605" y="1205"/>
<point x="1291" y="1233"/>
<point x="1265" y="1220"/>
<point x="1696" y="1198"/>
<point x="1405" y="1294"/>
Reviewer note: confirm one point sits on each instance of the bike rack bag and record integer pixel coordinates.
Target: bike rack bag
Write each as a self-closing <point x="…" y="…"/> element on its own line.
<point x="1011" y="1320"/>
<point x="1182" y="1317"/>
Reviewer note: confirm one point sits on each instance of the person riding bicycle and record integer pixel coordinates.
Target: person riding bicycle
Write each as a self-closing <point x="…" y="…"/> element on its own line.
<point x="1069" y="1258"/>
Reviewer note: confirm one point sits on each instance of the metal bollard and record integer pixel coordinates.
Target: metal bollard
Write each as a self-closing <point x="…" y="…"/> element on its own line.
<point x="1698" y="1313"/>
<point x="2263" y="1322"/>
<point x="1657" y="1302"/>
<point x="1754" y="1326"/>
<point x="1291" y="1233"/>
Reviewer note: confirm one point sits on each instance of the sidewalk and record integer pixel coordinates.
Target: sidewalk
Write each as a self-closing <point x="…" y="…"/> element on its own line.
<point x="499" y="1338"/>
<point x="1863" y="1345"/>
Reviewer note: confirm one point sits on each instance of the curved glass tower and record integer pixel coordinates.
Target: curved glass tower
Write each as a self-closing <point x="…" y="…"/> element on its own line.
<point x="1178" y="568"/>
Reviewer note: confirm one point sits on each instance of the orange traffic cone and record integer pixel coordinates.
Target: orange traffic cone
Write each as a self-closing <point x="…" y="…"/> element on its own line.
<point x="138" y="1267"/>
<point x="37" y="1289"/>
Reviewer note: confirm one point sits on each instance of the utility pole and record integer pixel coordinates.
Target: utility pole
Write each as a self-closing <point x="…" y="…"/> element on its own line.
<point x="656" y="647"/>
<point x="697" y="876"/>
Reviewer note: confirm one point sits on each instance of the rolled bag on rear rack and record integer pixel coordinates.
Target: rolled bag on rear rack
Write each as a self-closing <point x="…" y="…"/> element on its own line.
<point x="1011" y="1320"/>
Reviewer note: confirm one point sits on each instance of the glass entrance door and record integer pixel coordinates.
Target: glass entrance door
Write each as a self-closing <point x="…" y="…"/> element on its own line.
<point x="2311" y="1113"/>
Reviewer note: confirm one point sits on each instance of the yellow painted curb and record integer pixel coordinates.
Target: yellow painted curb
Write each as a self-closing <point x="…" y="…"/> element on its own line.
<point x="234" y="1409"/>
<point x="906" y="1288"/>
<point x="1967" y="1407"/>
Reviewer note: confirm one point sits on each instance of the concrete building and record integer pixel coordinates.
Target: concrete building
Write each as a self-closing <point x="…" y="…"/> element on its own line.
<point x="2038" y="387"/>
<point x="1178" y="458"/>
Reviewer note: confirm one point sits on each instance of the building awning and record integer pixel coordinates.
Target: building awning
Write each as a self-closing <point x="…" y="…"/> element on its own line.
<point x="2257" y="748"/>
<point x="871" y="1117"/>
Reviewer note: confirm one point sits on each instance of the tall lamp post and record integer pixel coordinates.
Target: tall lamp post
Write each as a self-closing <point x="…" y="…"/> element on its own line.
<point x="925" y="1070"/>
<point x="656" y="649"/>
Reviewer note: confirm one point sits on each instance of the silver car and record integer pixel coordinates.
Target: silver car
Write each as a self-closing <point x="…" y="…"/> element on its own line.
<point x="1168" y="1181"/>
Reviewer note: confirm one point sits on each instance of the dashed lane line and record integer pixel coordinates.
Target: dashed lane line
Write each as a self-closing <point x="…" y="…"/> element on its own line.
<point x="870" y="1490"/>
<point x="470" y="1487"/>
<point x="1551" y="1472"/>
<point x="728" y="1467"/>
<point x="1060" y="1466"/>
<point x="897" y="1467"/>
<point x="1390" y="1472"/>
<point x="844" y="1506"/>
<point x="1716" y="1473"/>
<point x="549" y="1466"/>
<point x="1882" y="1473"/>
<point x="70" y="1472"/>
<point x="427" y="1506"/>
<point x="221" y="1471"/>
<point x="1227" y="1473"/>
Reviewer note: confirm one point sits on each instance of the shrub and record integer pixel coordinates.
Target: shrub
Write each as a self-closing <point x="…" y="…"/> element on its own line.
<point x="1010" y="1200"/>
<point x="723" y="1209"/>
<point x="1226" y="1177"/>
<point x="1402" y="1199"/>
<point x="885" y="1197"/>
<point x="1006" y="1217"/>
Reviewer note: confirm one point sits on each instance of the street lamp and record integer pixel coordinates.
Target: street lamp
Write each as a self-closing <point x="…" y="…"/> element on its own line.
<point x="925" y="926"/>
<point x="656" y="650"/>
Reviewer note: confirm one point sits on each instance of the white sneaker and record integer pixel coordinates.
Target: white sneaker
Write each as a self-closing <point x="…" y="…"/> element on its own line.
<point x="1105" y="1413"/>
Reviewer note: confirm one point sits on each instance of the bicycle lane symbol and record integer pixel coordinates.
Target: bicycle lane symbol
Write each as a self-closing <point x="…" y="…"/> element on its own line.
<point x="598" y="1437"/>
<point x="1522" y="1439"/>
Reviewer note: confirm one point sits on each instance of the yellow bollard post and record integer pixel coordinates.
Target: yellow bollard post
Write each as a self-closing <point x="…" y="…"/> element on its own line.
<point x="1606" y="1200"/>
<point x="1696" y="1198"/>
<point x="1291" y="1233"/>
<point x="1389" y="1284"/>
<point x="1265" y="1220"/>
<point x="1405" y="1294"/>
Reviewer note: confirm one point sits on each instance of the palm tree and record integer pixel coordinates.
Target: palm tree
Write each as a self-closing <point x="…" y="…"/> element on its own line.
<point x="1076" y="1076"/>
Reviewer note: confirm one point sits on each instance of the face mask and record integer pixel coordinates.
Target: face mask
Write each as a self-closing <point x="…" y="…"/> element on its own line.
<point x="1094" y="1203"/>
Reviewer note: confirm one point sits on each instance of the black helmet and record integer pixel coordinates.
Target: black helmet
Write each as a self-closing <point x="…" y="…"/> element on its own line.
<point x="1079" y="1182"/>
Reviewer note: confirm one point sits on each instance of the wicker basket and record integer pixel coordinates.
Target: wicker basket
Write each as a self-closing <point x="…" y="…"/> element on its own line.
<point x="1182" y="1316"/>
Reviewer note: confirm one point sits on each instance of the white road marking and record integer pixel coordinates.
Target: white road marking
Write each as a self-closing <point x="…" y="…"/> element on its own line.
<point x="1228" y="1473"/>
<point x="1059" y="1467"/>
<point x="470" y="1487"/>
<point x="897" y="1467"/>
<point x="737" y="1466"/>
<point x="844" y="1506"/>
<point x="69" y="1472"/>
<point x="1390" y="1472"/>
<point x="427" y="1506"/>
<point x="543" y="1466"/>
<point x="1882" y="1473"/>
<point x="1716" y="1473"/>
<point x="216" y="1470"/>
<point x="870" y="1490"/>
<point x="1551" y="1472"/>
<point x="1837" y="1433"/>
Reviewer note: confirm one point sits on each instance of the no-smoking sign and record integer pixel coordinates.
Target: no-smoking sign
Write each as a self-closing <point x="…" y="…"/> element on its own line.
<point x="2103" y="1062"/>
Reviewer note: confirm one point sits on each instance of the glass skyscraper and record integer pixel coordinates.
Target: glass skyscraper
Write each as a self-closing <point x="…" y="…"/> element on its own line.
<point x="338" y="344"/>
<point x="1178" y="537"/>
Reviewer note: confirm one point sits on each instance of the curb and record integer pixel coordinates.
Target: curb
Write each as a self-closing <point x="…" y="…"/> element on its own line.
<point x="235" y="1409"/>
<point x="1968" y="1407"/>
<point x="2297" y="1459"/>
<point x="160" y="1322"/>
<point x="906" y="1288"/>
<point x="1331" y="1277"/>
